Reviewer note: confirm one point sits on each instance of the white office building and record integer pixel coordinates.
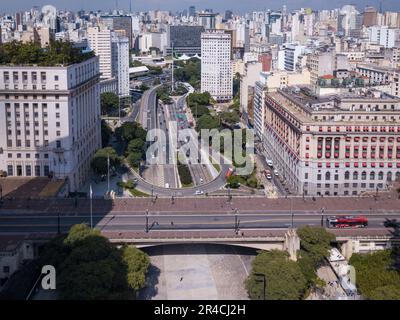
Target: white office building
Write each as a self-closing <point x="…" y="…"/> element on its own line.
<point x="99" y="40"/>
<point x="216" y="64"/>
<point x="384" y="36"/>
<point x="120" y="64"/>
<point x="50" y="120"/>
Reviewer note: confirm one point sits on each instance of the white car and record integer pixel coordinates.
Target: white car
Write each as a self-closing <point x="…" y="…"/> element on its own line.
<point x="167" y="185"/>
<point x="270" y="163"/>
<point x="198" y="192"/>
<point x="276" y="173"/>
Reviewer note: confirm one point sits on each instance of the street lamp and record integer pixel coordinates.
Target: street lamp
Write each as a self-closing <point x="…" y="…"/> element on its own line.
<point x="322" y="216"/>
<point x="291" y="210"/>
<point x="58" y="223"/>
<point x="147" y="221"/>
<point x="261" y="275"/>
<point x="237" y="221"/>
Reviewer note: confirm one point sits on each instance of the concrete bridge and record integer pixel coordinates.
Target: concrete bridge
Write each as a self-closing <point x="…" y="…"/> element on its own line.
<point x="348" y="241"/>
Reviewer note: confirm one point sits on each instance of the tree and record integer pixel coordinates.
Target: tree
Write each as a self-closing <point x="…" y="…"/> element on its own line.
<point x="55" y="53"/>
<point x="129" y="131"/>
<point x="109" y="102"/>
<point x="99" y="162"/>
<point x="89" y="267"/>
<point x="200" y="111"/>
<point x="207" y="122"/>
<point x="136" y="145"/>
<point x="376" y="277"/>
<point x="315" y="242"/>
<point x="284" y="279"/>
<point x="106" y="133"/>
<point x="134" y="158"/>
<point x="230" y="118"/>
<point x="137" y="264"/>
<point x="234" y="181"/>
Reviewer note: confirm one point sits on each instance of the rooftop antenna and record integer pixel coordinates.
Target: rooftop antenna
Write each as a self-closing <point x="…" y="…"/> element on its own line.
<point x="380" y="6"/>
<point x="130" y="6"/>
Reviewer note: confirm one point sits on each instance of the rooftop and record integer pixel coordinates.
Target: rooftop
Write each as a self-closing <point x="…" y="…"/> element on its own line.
<point x="57" y="53"/>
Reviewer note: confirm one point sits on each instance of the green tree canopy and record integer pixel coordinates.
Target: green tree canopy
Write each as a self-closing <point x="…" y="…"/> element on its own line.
<point x="207" y="122"/>
<point x="375" y="276"/>
<point x="136" y="145"/>
<point x="109" y="102"/>
<point x="55" y="53"/>
<point x="99" y="161"/>
<point x="284" y="279"/>
<point x="315" y="242"/>
<point x="89" y="267"/>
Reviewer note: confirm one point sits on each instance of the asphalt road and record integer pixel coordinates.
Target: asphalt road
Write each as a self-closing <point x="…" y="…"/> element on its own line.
<point x="23" y="224"/>
<point x="154" y="118"/>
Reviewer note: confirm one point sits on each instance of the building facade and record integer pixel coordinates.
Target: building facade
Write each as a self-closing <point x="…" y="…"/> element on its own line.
<point x="216" y="64"/>
<point x="50" y="120"/>
<point x="338" y="145"/>
<point x="99" y="40"/>
<point x="120" y="64"/>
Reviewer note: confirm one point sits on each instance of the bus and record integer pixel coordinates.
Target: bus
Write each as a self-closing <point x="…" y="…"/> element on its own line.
<point x="347" y="222"/>
<point x="229" y="172"/>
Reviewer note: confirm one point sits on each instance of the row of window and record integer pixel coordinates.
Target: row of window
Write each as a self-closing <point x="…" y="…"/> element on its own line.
<point x="28" y="170"/>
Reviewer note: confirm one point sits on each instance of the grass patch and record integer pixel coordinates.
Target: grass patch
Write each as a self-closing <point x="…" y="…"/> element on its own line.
<point x="215" y="165"/>
<point x="136" y="193"/>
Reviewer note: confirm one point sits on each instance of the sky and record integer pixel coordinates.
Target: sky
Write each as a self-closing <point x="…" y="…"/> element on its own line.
<point x="237" y="6"/>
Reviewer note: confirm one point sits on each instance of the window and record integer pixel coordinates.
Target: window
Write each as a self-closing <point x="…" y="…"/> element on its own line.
<point x="46" y="170"/>
<point x="19" y="170"/>
<point x="28" y="171"/>
<point x="10" y="170"/>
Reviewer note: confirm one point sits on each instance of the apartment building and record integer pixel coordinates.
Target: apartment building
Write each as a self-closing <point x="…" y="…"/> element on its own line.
<point x="50" y="120"/>
<point x="99" y="40"/>
<point x="120" y="64"/>
<point x="335" y="145"/>
<point x="216" y="64"/>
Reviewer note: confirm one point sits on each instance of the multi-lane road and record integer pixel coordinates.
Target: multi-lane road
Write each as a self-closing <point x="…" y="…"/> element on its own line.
<point x="45" y="223"/>
<point x="151" y="116"/>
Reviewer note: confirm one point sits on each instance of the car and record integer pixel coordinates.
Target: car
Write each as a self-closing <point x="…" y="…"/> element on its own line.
<point x="198" y="192"/>
<point x="268" y="176"/>
<point x="276" y="173"/>
<point x="167" y="185"/>
<point x="270" y="163"/>
<point x="201" y="180"/>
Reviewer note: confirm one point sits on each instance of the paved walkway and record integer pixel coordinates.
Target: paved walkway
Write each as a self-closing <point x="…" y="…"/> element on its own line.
<point x="197" y="271"/>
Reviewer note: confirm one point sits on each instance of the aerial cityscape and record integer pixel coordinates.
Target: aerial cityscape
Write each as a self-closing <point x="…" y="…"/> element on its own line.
<point x="199" y="152"/>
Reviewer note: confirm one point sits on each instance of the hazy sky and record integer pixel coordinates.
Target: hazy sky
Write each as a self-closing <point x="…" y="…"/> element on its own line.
<point x="238" y="6"/>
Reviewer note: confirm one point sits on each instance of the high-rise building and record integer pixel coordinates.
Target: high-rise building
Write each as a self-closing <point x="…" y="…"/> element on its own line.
<point x="192" y="11"/>
<point x="99" y="40"/>
<point x="370" y="17"/>
<point x="117" y="23"/>
<point x="120" y="63"/>
<point x="216" y="64"/>
<point x="228" y="14"/>
<point x="50" y="120"/>
<point x="184" y="39"/>
<point x="207" y="20"/>
<point x="384" y="36"/>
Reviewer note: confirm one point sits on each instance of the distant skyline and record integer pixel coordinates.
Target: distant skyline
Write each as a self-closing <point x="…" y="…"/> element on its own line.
<point x="237" y="6"/>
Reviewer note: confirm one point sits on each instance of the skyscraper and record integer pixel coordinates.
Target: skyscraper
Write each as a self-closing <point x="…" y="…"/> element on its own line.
<point x="216" y="64"/>
<point x="192" y="11"/>
<point x="120" y="63"/>
<point x="99" y="40"/>
<point x="207" y="20"/>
